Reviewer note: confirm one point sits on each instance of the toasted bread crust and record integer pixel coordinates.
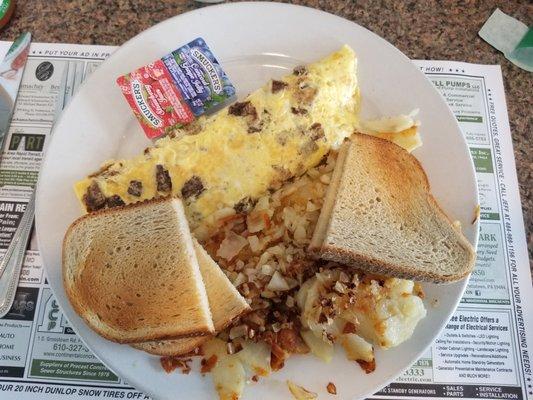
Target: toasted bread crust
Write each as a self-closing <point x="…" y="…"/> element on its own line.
<point x="171" y="347"/>
<point x="159" y="331"/>
<point x="380" y="267"/>
<point x="180" y="346"/>
<point x="225" y="302"/>
<point x="327" y="244"/>
<point x="74" y="301"/>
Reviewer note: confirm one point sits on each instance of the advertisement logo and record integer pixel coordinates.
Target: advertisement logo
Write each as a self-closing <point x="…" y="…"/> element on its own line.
<point x="208" y="67"/>
<point x="142" y="104"/>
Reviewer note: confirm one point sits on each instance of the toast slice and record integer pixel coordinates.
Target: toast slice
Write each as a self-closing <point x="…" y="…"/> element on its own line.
<point x="225" y="302"/>
<point x="131" y="273"/>
<point x="379" y="215"/>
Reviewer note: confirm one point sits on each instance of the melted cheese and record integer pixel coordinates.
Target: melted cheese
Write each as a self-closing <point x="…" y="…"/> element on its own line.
<point x="233" y="163"/>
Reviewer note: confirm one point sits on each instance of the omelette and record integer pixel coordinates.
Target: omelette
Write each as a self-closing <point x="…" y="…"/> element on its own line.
<point x="231" y="158"/>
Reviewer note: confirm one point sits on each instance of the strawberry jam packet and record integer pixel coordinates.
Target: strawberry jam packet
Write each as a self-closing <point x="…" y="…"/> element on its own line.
<point x="171" y="92"/>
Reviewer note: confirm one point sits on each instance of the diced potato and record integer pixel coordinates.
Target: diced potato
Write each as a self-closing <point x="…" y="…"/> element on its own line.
<point x="309" y="311"/>
<point x="214" y="347"/>
<point x="229" y="377"/>
<point x="228" y="373"/>
<point x="256" y="356"/>
<point x="319" y="347"/>
<point x="240" y="278"/>
<point x="400" y="327"/>
<point x="308" y="296"/>
<point x="385" y="315"/>
<point x="267" y="269"/>
<point x="277" y="283"/>
<point x="299" y="393"/>
<point x="335" y="328"/>
<point x="301" y="296"/>
<point x="399" y="286"/>
<point x="356" y="347"/>
<point x="390" y="316"/>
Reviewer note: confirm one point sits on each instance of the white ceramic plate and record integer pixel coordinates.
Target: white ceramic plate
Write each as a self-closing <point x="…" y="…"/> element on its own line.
<point x="254" y="42"/>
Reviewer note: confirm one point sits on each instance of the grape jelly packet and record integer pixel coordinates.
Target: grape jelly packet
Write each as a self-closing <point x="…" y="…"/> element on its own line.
<point x="172" y="91"/>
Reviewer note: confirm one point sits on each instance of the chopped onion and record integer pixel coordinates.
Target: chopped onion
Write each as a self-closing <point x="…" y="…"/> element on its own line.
<point x="223" y="213"/>
<point x="268" y="294"/>
<point x="255" y="243"/>
<point x="343" y="277"/>
<point x="250" y="271"/>
<point x="340" y="287"/>
<point x="311" y="206"/>
<point x="238" y="331"/>
<point x="290" y="301"/>
<point x="325" y="179"/>
<point x="300" y="235"/>
<point x="289" y="190"/>
<point x="291" y="282"/>
<point x="231" y="245"/>
<point x="255" y="221"/>
<point x="262" y="204"/>
<point x="265" y="257"/>
<point x="313" y="173"/>
<point x="276" y="250"/>
<point x="240" y="279"/>
<point x="267" y="269"/>
<point x="278" y="283"/>
<point x="277" y="234"/>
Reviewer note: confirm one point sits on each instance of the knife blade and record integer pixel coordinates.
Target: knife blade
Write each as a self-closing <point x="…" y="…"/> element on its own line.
<point x="11" y="70"/>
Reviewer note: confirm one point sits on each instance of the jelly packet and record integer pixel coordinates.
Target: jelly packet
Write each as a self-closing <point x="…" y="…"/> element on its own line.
<point x="172" y="91"/>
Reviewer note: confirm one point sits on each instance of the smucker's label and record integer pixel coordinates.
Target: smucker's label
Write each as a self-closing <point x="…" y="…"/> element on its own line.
<point x="172" y="91"/>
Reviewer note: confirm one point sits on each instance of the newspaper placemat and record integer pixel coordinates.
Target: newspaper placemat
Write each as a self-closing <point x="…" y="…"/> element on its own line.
<point x="483" y="352"/>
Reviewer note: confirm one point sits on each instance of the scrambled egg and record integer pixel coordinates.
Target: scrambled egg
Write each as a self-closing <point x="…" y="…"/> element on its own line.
<point x="229" y="159"/>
